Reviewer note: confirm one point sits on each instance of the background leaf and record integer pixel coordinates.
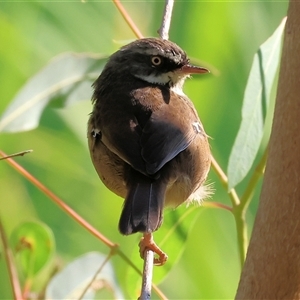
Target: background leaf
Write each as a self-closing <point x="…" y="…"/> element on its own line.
<point x="34" y="245"/>
<point x="67" y="79"/>
<point x="73" y="279"/>
<point x="255" y="106"/>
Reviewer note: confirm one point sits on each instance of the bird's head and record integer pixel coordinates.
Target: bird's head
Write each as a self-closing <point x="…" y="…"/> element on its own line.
<point x="155" y="61"/>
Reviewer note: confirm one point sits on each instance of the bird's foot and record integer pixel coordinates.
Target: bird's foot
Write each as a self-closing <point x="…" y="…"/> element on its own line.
<point x="147" y="243"/>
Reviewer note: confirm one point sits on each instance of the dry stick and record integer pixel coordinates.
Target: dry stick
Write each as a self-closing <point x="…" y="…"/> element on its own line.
<point x="166" y="21"/>
<point x="16" y="154"/>
<point x="149" y="255"/>
<point x="147" y="275"/>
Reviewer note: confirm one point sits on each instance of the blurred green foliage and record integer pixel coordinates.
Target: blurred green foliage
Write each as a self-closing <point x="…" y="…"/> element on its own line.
<point x="222" y="34"/>
<point x="33" y="245"/>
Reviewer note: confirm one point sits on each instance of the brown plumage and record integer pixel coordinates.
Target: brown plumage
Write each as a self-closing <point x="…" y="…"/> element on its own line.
<point x="145" y="138"/>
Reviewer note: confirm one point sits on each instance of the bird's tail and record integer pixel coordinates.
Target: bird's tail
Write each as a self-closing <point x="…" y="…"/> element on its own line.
<point x="143" y="206"/>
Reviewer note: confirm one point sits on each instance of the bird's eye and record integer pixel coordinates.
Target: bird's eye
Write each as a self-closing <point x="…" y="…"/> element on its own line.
<point x="156" y="60"/>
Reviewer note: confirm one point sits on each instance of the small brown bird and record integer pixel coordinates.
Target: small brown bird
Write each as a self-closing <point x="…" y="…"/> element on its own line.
<point x="145" y="137"/>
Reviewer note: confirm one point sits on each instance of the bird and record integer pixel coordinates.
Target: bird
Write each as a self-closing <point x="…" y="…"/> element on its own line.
<point x="145" y="138"/>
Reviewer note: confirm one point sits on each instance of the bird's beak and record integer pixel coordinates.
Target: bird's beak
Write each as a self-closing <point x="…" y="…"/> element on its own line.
<point x="190" y="69"/>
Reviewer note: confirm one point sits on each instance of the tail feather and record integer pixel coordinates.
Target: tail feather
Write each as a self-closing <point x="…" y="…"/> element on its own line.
<point x="143" y="207"/>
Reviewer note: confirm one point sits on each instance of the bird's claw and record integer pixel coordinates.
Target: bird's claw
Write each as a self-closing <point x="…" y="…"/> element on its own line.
<point x="147" y="243"/>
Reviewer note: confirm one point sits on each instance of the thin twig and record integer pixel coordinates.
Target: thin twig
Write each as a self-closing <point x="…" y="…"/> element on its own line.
<point x="166" y="21"/>
<point x="128" y="19"/>
<point x="114" y="247"/>
<point x="224" y="180"/>
<point x="149" y="255"/>
<point x="16" y="154"/>
<point x="212" y="204"/>
<point x="147" y="275"/>
<point x="27" y="287"/>
<point x="12" y="272"/>
<point x="60" y="203"/>
<point x="95" y="275"/>
<point x="159" y="293"/>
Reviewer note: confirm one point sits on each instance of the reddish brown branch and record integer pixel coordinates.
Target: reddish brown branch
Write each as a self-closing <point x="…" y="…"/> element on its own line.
<point x="12" y="271"/>
<point x="128" y="19"/>
<point x="59" y="202"/>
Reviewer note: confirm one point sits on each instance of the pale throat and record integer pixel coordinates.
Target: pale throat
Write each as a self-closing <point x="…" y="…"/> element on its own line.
<point x="174" y="79"/>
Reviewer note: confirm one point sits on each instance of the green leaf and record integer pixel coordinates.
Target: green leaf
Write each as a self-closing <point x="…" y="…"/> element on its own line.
<point x="255" y="105"/>
<point x="34" y="245"/>
<point x="72" y="281"/>
<point x="66" y="79"/>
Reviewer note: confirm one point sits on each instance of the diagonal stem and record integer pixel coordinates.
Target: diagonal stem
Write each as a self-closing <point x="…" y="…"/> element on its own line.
<point x="88" y="286"/>
<point x="114" y="247"/>
<point x="60" y="203"/>
<point x="128" y="19"/>
<point x="224" y="180"/>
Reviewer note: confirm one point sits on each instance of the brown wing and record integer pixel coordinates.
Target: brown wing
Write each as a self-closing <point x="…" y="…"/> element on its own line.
<point x="164" y="136"/>
<point x="151" y="131"/>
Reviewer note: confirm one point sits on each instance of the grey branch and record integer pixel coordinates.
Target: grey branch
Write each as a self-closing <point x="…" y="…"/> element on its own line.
<point x="149" y="255"/>
<point x="166" y="21"/>
<point x="147" y="275"/>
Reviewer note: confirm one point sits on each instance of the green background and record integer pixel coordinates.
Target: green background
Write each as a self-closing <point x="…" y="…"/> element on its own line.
<point x="223" y="35"/>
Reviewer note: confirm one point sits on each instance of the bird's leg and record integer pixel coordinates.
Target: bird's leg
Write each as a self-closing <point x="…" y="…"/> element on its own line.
<point x="147" y="242"/>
